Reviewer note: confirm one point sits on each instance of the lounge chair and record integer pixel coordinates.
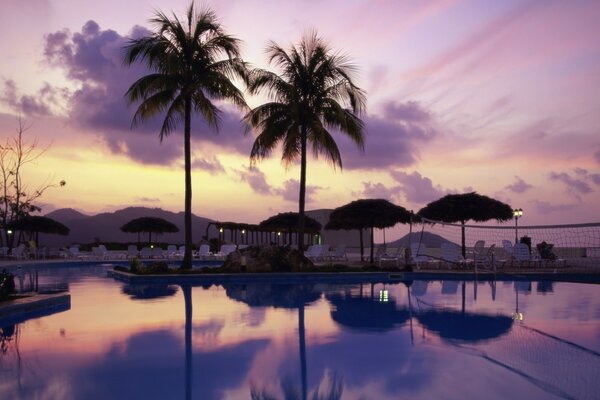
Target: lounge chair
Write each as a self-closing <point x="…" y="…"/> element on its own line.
<point x="146" y="253"/>
<point x="381" y="250"/>
<point x="18" y="252"/>
<point x="320" y="252"/>
<point x="171" y="251"/>
<point x="98" y="253"/>
<point x="225" y="250"/>
<point x="312" y="251"/>
<point x="418" y="254"/>
<point x="484" y="257"/>
<point x="451" y="255"/>
<point x="522" y="254"/>
<point x="395" y="256"/>
<point x="157" y="252"/>
<point x="204" y="251"/>
<point x="339" y="253"/>
<point x="132" y="251"/>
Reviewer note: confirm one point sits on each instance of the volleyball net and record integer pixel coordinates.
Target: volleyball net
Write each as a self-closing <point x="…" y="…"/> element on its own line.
<point x="575" y="244"/>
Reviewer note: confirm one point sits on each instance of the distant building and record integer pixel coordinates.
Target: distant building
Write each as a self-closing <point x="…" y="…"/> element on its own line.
<point x="335" y="237"/>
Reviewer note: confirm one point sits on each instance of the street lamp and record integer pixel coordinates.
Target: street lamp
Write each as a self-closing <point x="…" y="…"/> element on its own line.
<point x="517" y="213"/>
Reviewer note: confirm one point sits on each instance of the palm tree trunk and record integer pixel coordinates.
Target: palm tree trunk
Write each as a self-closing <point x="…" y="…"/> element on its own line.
<point x="362" y="246"/>
<point x="372" y="245"/>
<point x="464" y="248"/>
<point x="187" y="257"/>
<point x="302" y="199"/>
<point x="187" y="296"/>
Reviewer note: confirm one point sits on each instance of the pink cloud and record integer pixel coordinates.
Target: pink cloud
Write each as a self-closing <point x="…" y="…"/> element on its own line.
<point x="94" y="59"/>
<point x="571" y="183"/>
<point x="519" y="186"/>
<point x="416" y="188"/>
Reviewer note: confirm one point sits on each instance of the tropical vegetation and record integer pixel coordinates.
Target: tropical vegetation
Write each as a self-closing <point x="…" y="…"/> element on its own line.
<point x="313" y="95"/>
<point x="192" y="64"/>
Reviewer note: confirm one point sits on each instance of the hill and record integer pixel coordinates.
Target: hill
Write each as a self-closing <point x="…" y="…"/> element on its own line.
<point x="105" y="227"/>
<point x="429" y="239"/>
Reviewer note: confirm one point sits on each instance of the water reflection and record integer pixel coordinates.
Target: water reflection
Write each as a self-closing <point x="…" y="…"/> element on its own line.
<point x="366" y="313"/>
<point x="465" y="326"/>
<point x="284" y="296"/>
<point x="149" y="292"/>
<point x="321" y="341"/>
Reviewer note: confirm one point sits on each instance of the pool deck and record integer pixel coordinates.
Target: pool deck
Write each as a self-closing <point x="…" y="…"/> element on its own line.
<point x="588" y="272"/>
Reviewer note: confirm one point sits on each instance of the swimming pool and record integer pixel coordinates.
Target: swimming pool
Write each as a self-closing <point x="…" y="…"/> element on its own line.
<point x="418" y="339"/>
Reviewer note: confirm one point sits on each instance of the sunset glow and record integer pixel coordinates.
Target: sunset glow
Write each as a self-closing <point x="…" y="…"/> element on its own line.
<point x="496" y="97"/>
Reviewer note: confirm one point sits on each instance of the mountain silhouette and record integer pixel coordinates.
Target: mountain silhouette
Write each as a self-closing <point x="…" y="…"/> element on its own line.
<point x="105" y="227"/>
<point x="429" y="239"/>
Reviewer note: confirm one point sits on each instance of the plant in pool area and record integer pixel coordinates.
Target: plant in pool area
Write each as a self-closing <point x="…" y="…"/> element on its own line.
<point x="7" y="284"/>
<point x="134" y="265"/>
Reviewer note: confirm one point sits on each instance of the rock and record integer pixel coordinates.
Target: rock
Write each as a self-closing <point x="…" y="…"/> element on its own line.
<point x="267" y="259"/>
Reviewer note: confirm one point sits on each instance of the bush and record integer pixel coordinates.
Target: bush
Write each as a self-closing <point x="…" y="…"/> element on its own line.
<point x="7" y="284"/>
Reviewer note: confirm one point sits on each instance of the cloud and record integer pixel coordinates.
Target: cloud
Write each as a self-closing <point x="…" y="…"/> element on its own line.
<point x="379" y="191"/>
<point x="148" y="199"/>
<point x="416" y="188"/>
<point x="211" y="164"/>
<point x="257" y="181"/>
<point x="519" y="186"/>
<point x="573" y="184"/>
<point x="544" y="207"/>
<point x="40" y="104"/>
<point x="597" y="156"/>
<point x="291" y="190"/>
<point x="584" y="174"/>
<point x="93" y="58"/>
<point x="391" y="140"/>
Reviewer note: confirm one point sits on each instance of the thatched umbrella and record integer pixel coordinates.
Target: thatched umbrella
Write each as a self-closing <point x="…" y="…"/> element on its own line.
<point x="150" y="225"/>
<point x="36" y="224"/>
<point x="461" y="208"/>
<point x="367" y="213"/>
<point x="289" y="222"/>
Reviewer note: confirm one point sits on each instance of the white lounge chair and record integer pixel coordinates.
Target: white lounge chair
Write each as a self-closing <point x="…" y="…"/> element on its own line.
<point x="171" y="251"/>
<point x="146" y="253"/>
<point x="204" y="251"/>
<point x="339" y="253"/>
<point x="225" y="250"/>
<point x="522" y="254"/>
<point x="418" y="254"/>
<point x="394" y="256"/>
<point x="484" y="257"/>
<point x="451" y="255"/>
<point x="18" y="252"/>
<point x="157" y="252"/>
<point x="132" y="251"/>
<point x="317" y="252"/>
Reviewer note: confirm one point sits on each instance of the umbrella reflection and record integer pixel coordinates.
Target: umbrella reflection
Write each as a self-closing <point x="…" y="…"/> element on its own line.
<point x="464" y="326"/>
<point x="366" y="313"/>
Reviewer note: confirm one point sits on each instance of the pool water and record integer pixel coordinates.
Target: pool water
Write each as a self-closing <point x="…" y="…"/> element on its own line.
<point x="417" y="340"/>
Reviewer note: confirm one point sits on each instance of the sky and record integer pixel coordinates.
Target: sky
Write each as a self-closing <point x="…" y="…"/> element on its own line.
<point x="494" y="97"/>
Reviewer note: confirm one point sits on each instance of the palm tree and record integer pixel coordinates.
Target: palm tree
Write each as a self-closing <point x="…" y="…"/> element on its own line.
<point x="310" y="98"/>
<point x="193" y="63"/>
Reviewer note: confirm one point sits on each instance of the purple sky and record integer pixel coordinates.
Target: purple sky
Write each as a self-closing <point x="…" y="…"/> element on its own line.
<point x="496" y="97"/>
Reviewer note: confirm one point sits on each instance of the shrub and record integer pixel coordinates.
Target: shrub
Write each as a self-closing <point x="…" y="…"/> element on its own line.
<point x="7" y="284"/>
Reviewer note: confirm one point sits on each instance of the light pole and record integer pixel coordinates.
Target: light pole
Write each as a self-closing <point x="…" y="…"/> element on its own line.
<point x="517" y="213"/>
